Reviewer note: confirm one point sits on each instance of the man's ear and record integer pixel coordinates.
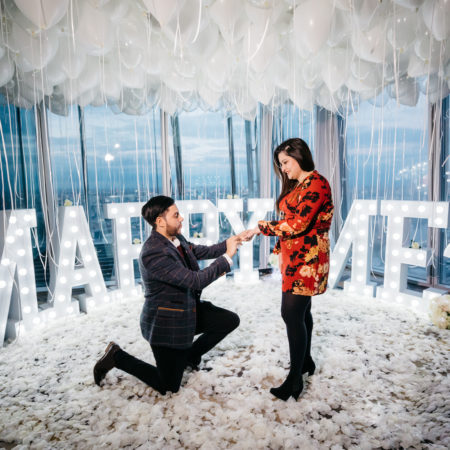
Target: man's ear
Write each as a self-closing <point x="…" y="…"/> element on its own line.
<point x="159" y="222"/>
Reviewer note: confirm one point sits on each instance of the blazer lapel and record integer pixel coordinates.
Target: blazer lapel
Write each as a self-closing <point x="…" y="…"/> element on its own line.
<point x="191" y="259"/>
<point x="170" y="247"/>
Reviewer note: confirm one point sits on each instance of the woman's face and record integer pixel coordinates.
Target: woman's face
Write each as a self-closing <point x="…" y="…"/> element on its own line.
<point x="289" y="166"/>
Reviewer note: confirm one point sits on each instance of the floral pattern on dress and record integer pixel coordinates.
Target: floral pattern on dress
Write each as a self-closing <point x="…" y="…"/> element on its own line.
<point x="303" y="236"/>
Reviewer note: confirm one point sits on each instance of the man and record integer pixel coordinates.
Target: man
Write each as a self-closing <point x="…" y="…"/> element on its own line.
<point x="173" y="312"/>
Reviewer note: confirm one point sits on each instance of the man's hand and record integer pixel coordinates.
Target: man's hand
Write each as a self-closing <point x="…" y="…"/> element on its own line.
<point x="232" y="245"/>
<point x="248" y="235"/>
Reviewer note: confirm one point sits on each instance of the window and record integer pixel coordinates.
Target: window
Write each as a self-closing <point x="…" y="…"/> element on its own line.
<point x="444" y="263"/>
<point x="386" y="157"/>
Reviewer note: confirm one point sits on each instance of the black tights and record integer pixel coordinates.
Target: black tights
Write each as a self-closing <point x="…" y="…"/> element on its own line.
<point x="296" y="313"/>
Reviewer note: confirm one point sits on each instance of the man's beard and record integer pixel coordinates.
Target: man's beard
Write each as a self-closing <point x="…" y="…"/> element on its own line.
<point x="172" y="231"/>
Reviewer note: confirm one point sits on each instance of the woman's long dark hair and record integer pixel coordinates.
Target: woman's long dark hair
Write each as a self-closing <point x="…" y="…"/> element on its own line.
<point x="298" y="149"/>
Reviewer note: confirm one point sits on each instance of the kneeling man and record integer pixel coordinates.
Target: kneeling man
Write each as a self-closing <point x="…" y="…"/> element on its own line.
<point x="173" y="312"/>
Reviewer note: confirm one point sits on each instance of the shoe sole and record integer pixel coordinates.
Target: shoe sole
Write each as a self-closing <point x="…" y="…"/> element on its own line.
<point x="107" y="349"/>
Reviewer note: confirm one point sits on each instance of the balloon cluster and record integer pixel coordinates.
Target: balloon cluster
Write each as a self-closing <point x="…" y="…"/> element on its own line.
<point x="222" y="54"/>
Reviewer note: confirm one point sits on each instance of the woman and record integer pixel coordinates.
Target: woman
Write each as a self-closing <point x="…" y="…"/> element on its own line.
<point x="306" y="204"/>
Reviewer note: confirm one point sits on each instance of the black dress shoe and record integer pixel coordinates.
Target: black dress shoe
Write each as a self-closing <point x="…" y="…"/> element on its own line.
<point x="105" y="363"/>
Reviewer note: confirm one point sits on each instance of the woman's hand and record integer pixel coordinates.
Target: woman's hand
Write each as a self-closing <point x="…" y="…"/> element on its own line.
<point x="248" y="235"/>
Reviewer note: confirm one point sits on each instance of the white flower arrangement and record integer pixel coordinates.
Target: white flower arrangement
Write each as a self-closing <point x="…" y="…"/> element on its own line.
<point x="440" y="311"/>
<point x="273" y="260"/>
<point x="136" y="241"/>
<point x="68" y="202"/>
<point x="198" y="235"/>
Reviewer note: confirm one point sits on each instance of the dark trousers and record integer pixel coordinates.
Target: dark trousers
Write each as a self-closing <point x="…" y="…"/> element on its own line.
<point x="213" y="324"/>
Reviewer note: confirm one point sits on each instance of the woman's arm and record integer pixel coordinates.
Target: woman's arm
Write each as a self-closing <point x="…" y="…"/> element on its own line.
<point x="305" y="212"/>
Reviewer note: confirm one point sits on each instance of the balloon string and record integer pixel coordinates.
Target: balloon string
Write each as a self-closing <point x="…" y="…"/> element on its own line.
<point x="199" y="22"/>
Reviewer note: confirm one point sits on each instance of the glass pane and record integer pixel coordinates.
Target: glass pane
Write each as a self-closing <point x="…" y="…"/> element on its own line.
<point x="11" y="160"/>
<point x="444" y="263"/>
<point x="386" y="157"/>
<point x="65" y="150"/>
<point x="123" y="165"/>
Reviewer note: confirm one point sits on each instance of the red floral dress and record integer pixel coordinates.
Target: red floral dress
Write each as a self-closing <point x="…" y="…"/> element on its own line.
<point x="303" y="236"/>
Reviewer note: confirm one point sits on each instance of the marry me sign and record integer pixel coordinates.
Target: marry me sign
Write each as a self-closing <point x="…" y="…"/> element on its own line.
<point x="18" y="301"/>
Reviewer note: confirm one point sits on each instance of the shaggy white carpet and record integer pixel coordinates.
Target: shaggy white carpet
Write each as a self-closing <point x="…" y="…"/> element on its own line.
<point x="381" y="382"/>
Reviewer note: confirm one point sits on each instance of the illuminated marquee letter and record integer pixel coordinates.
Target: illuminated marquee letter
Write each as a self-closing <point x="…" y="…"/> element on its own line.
<point x="399" y="257"/>
<point x="355" y="237"/>
<point x="17" y="282"/>
<point x="75" y="245"/>
<point x="232" y="208"/>
<point x="125" y="251"/>
<point x="210" y="229"/>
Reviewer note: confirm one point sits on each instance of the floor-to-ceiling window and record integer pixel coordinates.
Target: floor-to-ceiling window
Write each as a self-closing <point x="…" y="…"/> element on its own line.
<point x="386" y="157"/>
<point x="19" y="171"/>
<point x="444" y="262"/>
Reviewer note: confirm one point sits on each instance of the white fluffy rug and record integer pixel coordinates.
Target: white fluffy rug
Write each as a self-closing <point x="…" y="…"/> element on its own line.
<point x="381" y="382"/>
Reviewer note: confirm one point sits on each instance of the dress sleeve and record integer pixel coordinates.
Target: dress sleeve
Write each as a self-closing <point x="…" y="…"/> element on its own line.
<point x="277" y="249"/>
<point x="304" y="212"/>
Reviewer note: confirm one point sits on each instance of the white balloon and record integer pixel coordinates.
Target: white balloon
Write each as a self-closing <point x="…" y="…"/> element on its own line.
<point x="417" y="67"/>
<point x="370" y="44"/>
<point x="206" y="42"/>
<point x="132" y="78"/>
<point x="312" y="23"/>
<point x="405" y="91"/>
<point x="33" y="53"/>
<point x="341" y="28"/>
<point x="335" y="68"/>
<point x="54" y="72"/>
<point x="116" y="9"/>
<point x="86" y="97"/>
<point x="98" y="3"/>
<point x="71" y="56"/>
<point x="402" y="30"/>
<point x="43" y="13"/>
<point x="303" y="98"/>
<point x="218" y="67"/>
<point x="226" y="13"/>
<point x="431" y="52"/>
<point x="259" y="15"/>
<point x="35" y="80"/>
<point x="411" y="4"/>
<point x="178" y="83"/>
<point x="163" y="10"/>
<point x="369" y="13"/>
<point x="327" y="100"/>
<point x="436" y="15"/>
<point x="208" y="95"/>
<point x="182" y="28"/>
<point x="364" y="76"/>
<point x="310" y="70"/>
<point x="345" y="5"/>
<point x="279" y="69"/>
<point x="94" y="31"/>
<point x="260" y="49"/>
<point x="262" y="90"/>
<point x="6" y="70"/>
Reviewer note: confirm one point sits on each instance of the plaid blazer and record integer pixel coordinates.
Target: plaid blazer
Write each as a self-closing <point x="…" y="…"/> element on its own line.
<point x="173" y="286"/>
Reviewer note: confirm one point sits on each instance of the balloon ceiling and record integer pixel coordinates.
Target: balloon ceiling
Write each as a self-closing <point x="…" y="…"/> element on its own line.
<point x="222" y="54"/>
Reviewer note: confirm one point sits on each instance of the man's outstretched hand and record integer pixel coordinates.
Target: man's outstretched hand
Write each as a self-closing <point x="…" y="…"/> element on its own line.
<point x="248" y="235"/>
<point x="233" y="243"/>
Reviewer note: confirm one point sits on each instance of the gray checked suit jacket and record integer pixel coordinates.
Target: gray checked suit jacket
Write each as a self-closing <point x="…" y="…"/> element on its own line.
<point x="173" y="286"/>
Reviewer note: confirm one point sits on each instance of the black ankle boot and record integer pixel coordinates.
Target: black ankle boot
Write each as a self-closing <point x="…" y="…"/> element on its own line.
<point x="288" y="389"/>
<point x="309" y="366"/>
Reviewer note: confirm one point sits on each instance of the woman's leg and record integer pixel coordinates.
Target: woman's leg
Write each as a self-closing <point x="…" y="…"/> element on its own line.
<point x="293" y="312"/>
<point x="308" y="364"/>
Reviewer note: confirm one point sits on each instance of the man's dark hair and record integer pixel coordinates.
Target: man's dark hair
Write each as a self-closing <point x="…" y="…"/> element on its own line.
<point x="155" y="207"/>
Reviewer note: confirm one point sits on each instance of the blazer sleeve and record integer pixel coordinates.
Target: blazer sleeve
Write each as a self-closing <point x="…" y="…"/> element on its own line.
<point x="305" y="212"/>
<point x="166" y="268"/>
<point x="208" y="251"/>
